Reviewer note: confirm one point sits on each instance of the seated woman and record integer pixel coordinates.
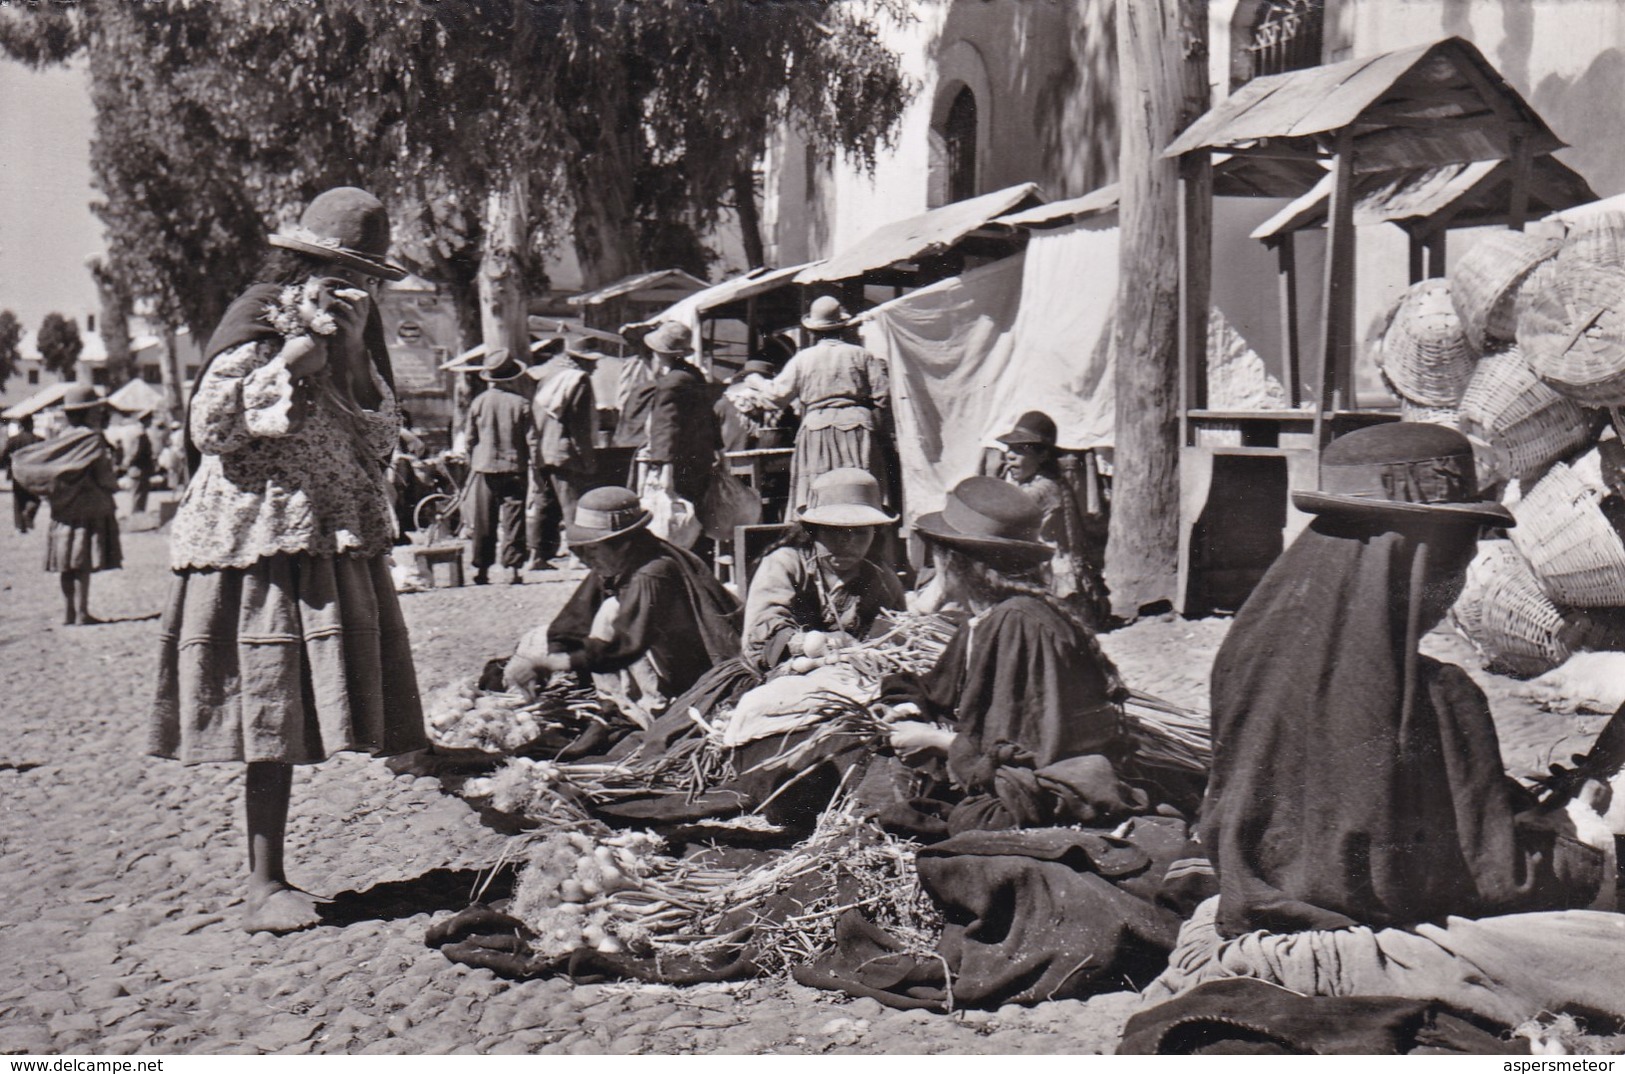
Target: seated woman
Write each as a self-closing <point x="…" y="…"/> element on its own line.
<point x="1357" y="785"/>
<point x="1031" y="465"/>
<point x="1034" y="703"/>
<point x="646" y="622"/>
<point x="820" y="578"/>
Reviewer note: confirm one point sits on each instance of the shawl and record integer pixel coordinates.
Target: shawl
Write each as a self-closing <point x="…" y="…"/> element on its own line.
<point x="1355" y="781"/>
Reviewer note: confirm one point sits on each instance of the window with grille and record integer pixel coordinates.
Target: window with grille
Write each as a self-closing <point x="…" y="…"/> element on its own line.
<point x="1279" y="35"/>
<point x="959" y="134"/>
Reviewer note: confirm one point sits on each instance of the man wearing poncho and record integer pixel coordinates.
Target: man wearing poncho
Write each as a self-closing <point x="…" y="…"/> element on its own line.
<point x="646" y="622"/>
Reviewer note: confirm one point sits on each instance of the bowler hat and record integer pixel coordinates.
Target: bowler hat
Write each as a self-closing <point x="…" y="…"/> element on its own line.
<point x="826" y="313"/>
<point x="992" y="521"/>
<point x="604" y="513"/>
<point x="347" y="226"/>
<point x="670" y="338"/>
<point x="81" y="397"/>
<point x="846" y="496"/>
<point x="760" y="367"/>
<point x="1033" y="427"/>
<point x="499" y="365"/>
<point x="1402" y="470"/>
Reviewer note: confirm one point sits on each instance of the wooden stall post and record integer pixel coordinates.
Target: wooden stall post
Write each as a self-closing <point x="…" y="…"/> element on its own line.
<point x="1337" y="350"/>
<point x="1286" y="278"/>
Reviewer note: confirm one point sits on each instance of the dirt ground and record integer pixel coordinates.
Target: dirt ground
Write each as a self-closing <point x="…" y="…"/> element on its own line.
<point x="122" y="875"/>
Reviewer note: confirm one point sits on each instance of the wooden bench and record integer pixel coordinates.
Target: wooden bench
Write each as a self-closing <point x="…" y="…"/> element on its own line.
<point x="428" y="556"/>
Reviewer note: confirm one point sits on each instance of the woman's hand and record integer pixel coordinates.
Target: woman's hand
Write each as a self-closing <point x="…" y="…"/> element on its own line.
<point x="304" y="355"/>
<point x="913" y="736"/>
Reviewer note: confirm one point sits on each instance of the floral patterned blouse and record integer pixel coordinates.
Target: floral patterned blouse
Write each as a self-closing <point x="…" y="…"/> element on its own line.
<point x="270" y="483"/>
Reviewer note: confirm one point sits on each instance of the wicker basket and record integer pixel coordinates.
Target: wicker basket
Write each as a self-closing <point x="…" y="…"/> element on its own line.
<point x="1424" y="353"/>
<point x="1515" y="626"/>
<point x="1573" y="548"/>
<point x="1484" y="284"/>
<point x="1598" y="239"/>
<point x="1572" y="333"/>
<point x="1523" y="423"/>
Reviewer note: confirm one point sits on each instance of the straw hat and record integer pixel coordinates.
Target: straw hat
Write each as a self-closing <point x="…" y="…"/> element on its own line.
<point x="845" y="497"/>
<point x="1402" y="470"/>
<point x="670" y="338"/>
<point x="604" y="514"/>
<point x="82" y="397"/>
<point x="1424" y="353"/>
<point x="1033" y="427"/>
<point x="346" y="226"/>
<point x="991" y="521"/>
<point x="500" y="366"/>
<point x="826" y="313"/>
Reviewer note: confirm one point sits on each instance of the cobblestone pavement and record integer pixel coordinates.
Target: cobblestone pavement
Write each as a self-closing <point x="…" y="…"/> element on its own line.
<point x="122" y="873"/>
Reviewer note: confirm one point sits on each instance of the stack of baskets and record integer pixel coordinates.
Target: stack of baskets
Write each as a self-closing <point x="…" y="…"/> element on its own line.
<point x="1425" y="356"/>
<point x="1536" y="411"/>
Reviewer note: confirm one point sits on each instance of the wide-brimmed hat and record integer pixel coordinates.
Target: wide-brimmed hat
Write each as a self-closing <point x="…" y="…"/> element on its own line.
<point x="347" y="226"/>
<point x="761" y="367"/>
<point x="669" y="337"/>
<point x="992" y="521"/>
<point x="605" y="513"/>
<point x="1033" y="427"/>
<point x="1402" y="470"/>
<point x="845" y="497"/>
<point x="826" y="312"/>
<point x="82" y="397"/>
<point x="499" y="365"/>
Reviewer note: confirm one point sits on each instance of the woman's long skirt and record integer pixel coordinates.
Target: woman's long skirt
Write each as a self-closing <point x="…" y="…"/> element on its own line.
<point x="293" y="660"/>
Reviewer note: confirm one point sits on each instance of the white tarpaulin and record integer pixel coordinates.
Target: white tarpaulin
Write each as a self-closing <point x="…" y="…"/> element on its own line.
<point x="971" y="354"/>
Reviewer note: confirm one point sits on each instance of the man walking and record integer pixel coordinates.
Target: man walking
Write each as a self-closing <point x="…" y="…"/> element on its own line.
<point x="564" y="412"/>
<point x="499" y="432"/>
<point x="24" y="504"/>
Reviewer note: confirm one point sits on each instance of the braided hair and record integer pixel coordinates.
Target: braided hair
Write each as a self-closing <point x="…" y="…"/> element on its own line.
<point x="987" y="584"/>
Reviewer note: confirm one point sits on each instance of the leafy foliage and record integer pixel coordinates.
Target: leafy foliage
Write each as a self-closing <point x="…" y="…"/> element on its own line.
<point x="59" y="344"/>
<point x="11" y="333"/>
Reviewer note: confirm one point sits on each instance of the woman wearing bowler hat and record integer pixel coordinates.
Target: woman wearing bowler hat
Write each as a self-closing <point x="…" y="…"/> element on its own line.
<point x="843" y="392"/>
<point x="282" y="642"/>
<point x="1023" y="686"/>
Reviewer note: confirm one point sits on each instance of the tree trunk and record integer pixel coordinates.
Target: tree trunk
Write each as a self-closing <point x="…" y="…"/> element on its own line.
<point x="603" y="169"/>
<point x="1162" y="61"/>
<point x="750" y="218"/>
<point x="502" y="282"/>
<point x="169" y="375"/>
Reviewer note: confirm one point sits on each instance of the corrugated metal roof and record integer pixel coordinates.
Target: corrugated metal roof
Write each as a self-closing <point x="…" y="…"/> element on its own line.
<point x="919" y="236"/>
<point x="739" y="288"/>
<point x="1473" y="193"/>
<point x="643" y="281"/>
<point x="1056" y="213"/>
<point x="1413" y="100"/>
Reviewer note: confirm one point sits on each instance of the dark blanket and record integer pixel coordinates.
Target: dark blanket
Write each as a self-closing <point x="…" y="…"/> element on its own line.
<point x="1031" y="916"/>
<point x="1242" y="1016"/>
<point x="1355" y="781"/>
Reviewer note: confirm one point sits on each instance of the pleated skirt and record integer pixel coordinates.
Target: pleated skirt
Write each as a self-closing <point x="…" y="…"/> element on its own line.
<point x="83" y="546"/>
<point x="818" y="451"/>
<point x="293" y="660"/>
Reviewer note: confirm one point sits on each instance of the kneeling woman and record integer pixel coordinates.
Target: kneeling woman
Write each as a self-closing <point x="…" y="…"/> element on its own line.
<point x="1024" y="682"/>
<point x="821" y="581"/>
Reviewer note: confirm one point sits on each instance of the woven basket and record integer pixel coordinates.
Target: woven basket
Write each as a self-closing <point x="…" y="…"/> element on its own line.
<point x="1424" y="353"/>
<point x="1484" y="284"/>
<point x="1569" y="542"/>
<point x="1572" y="333"/>
<point x="1433" y="415"/>
<point x="1523" y="423"/>
<point x="1512" y="623"/>
<point x="1598" y="239"/>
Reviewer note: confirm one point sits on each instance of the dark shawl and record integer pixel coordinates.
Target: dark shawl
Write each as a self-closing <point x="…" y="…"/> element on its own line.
<point x="1337" y="796"/>
<point x="244" y="322"/>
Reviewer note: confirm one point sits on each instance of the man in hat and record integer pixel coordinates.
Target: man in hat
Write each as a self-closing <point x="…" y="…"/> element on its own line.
<point x="499" y="434"/>
<point x="747" y="417"/>
<point x="647" y="621"/>
<point x="683" y="433"/>
<point x="564" y="414"/>
<point x="24" y="504"/>
<point x="1356" y="781"/>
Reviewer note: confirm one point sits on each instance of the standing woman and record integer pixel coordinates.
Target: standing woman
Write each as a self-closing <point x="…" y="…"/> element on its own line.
<point x="842" y="389"/>
<point x="282" y="619"/>
<point x="75" y="472"/>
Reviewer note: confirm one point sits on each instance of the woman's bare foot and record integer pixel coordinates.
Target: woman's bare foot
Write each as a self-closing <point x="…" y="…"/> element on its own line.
<point x="280" y="908"/>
